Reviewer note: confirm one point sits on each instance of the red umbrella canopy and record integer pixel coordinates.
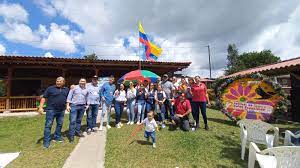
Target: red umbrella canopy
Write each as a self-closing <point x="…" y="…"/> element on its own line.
<point x="139" y="76"/>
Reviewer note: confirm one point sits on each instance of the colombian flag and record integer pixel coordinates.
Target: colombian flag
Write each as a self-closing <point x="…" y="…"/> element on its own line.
<point x="151" y="50"/>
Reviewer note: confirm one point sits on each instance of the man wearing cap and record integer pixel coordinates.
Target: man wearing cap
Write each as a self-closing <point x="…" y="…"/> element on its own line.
<point x="93" y="101"/>
<point x="182" y="110"/>
<point x="168" y="87"/>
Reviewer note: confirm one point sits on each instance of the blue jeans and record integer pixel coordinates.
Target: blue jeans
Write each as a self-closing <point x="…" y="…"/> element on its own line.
<point x="150" y="134"/>
<point x="168" y="107"/>
<point x="196" y="113"/>
<point x="149" y="106"/>
<point x="141" y="110"/>
<point x="161" y="111"/>
<point x="76" y="115"/>
<point x="119" y="107"/>
<point x="92" y="115"/>
<point x="50" y="116"/>
<point x="182" y="122"/>
<point x="130" y="110"/>
<point x="106" y="108"/>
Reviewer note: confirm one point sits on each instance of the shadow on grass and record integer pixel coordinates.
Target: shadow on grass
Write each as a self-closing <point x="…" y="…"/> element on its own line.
<point x="64" y="134"/>
<point x="141" y="142"/>
<point x="232" y="151"/>
<point x="221" y="121"/>
<point x="172" y="127"/>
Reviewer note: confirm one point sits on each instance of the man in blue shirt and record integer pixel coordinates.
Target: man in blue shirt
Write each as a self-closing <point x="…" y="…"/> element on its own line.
<point x="56" y="97"/>
<point x="76" y="105"/>
<point x="106" y="93"/>
<point x="93" y="101"/>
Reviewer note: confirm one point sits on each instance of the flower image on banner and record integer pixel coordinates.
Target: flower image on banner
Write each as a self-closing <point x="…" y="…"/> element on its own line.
<point x="250" y="98"/>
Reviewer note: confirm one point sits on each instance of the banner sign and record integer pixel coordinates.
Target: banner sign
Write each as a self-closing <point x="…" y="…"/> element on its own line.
<point x="250" y="98"/>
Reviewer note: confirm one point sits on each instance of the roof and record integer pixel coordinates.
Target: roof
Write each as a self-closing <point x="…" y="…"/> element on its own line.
<point x="80" y="59"/>
<point x="283" y="67"/>
<point x="206" y="80"/>
<point x="61" y="62"/>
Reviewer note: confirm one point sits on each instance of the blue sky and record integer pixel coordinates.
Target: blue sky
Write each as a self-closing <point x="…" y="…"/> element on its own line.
<point x="183" y="29"/>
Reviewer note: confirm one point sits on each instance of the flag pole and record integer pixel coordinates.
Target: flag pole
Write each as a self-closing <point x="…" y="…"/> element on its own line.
<point x="140" y="63"/>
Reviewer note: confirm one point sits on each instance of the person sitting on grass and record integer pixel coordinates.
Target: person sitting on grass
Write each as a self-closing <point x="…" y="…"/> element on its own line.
<point x="182" y="110"/>
<point x="151" y="126"/>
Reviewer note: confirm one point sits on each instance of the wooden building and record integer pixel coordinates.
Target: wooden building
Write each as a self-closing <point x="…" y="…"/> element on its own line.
<point x="25" y="76"/>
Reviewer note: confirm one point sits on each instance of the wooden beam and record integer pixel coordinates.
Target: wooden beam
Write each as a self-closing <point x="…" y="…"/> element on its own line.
<point x="8" y="87"/>
<point x="96" y="71"/>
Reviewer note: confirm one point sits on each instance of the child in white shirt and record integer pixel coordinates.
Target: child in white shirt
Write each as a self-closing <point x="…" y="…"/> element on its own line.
<point x="151" y="126"/>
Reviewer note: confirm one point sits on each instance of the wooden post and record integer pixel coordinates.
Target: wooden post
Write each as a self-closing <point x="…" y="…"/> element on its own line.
<point x="96" y="72"/>
<point x="64" y="73"/>
<point x="8" y="88"/>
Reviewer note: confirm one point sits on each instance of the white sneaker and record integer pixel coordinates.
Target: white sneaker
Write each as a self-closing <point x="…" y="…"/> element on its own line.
<point x="108" y="126"/>
<point x="128" y="122"/>
<point x="131" y="123"/>
<point x="138" y="123"/>
<point x="101" y="128"/>
<point x="121" y="125"/>
<point x="154" y="145"/>
<point x="118" y="125"/>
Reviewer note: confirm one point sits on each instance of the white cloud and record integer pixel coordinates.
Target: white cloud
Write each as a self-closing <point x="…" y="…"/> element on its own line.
<point x="46" y="7"/>
<point x="182" y="28"/>
<point x="14" y="28"/>
<point x="280" y="38"/>
<point x="42" y="31"/>
<point x="58" y="40"/>
<point x="2" y="49"/>
<point x="48" y="54"/>
<point x="13" y="12"/>
<point x="18" y="32"/>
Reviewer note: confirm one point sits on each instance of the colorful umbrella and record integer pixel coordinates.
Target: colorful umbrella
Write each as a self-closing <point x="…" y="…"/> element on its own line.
<point x="139" y="76"/>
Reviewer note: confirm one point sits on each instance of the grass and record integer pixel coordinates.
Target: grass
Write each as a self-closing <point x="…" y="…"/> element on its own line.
<point x="25" y="134"/>
<point x="218" y="147"/>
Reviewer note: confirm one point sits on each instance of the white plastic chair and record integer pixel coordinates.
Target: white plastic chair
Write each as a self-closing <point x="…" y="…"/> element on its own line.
<point x="257" y="131"/>
<point x="276" y="157"/>
<point x="288" y="138"/>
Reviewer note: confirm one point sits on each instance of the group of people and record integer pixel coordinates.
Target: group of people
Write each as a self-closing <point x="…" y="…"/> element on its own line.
<point x="171" y="100"/>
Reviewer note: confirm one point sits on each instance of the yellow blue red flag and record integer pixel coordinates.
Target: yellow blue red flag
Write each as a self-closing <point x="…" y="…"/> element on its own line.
<point x="151" y="50"/>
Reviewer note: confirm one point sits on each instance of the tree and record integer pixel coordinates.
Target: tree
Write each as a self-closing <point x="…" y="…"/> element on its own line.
<point x="232" y="59"/>
<point x="255" y="59"/>
<point x="236" y="62"/>
<point x="91" y="57"/>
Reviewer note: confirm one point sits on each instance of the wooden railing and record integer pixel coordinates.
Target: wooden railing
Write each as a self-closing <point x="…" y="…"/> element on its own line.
<point x="18" y="103"/>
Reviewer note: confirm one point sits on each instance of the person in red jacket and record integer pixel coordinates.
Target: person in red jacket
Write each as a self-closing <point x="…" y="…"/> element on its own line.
<point x="199" y="100"/>
<point x="182" y="110"/>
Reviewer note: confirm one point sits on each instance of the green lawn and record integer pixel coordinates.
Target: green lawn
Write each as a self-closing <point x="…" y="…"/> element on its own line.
<point x="219" y="147"/>
<point x="25" y="135"/>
